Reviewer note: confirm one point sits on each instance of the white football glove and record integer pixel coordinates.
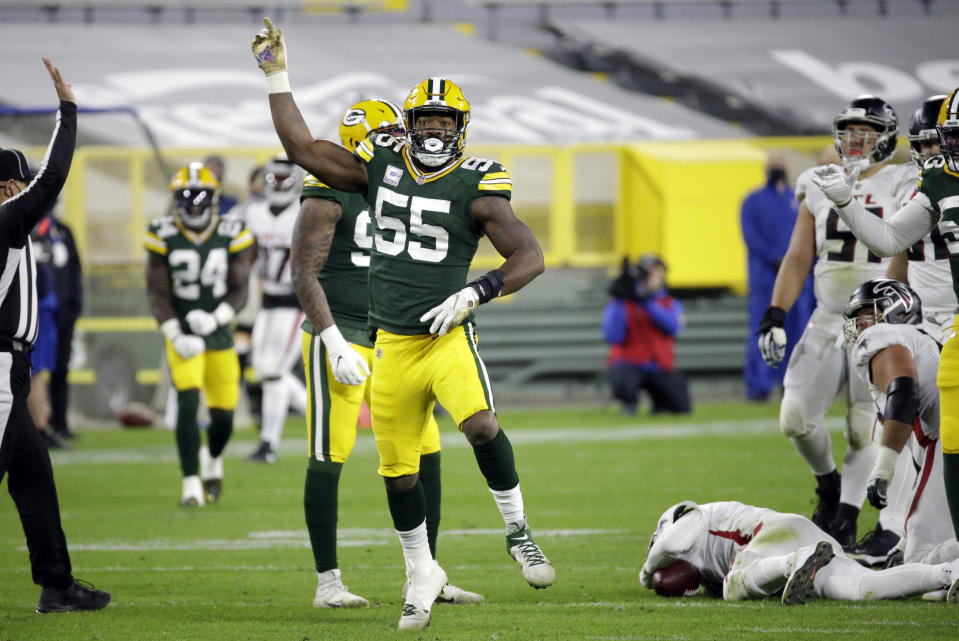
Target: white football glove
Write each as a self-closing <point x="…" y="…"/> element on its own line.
<point x="269" y="49"/>
<point x="883" y="469"/>
<point x="772" y="345"/>
<point x="452" y="311"/>
<point x="835" y="183"/>
<point x="349" y="368"/>
<point x="201" y="323"/>
<point x="188" y="345"/>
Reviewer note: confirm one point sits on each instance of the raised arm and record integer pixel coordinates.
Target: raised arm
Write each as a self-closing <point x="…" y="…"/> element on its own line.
<point x="21" y="208"/>
<point x="329" y="162"/>
<point x="884" y="236"/>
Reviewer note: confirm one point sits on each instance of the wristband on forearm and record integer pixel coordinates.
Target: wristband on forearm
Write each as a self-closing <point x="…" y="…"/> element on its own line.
<point x="488" y="286"/>
<point x="885" y="465"/>
<point x="278" y="82"/>
<point x="902" y="400"/>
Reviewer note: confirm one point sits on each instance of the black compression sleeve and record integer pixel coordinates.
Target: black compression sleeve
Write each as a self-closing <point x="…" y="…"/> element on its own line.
<point x="902" y="400"/>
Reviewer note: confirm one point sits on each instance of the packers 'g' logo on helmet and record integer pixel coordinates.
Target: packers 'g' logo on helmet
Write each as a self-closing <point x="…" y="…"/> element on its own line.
<point x="367" y="117"/>
<point x="431" y="100"/>
<point x="195" y="196"/>
<point x="948" y="127"/>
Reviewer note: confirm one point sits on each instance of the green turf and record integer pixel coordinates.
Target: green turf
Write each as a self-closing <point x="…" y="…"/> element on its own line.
<point x="242" y="569"/>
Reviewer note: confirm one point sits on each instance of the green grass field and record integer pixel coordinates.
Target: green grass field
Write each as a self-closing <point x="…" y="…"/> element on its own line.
<point x="594" y="484"/>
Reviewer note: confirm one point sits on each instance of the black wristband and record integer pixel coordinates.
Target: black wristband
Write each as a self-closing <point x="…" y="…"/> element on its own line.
<point x="902" y="400"/>
<point x="772" y="317"/>
<point x="488" y="286"/>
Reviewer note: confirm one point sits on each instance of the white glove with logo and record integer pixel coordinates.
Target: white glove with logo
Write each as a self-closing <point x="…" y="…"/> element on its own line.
<point x="186" y="345"/>
<point x="772" y="336"/>
<point x="452" y="311"/>
<point x="836" y="184"/>
<point x="348" y="366"/>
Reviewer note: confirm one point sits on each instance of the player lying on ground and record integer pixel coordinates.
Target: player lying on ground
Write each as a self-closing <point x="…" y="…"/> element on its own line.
<point x="746" y="552"/>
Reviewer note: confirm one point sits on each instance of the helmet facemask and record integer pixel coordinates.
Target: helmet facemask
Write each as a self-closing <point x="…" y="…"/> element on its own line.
<point x="949" y="143"/>
<point x="880" y="300"/>
<point x="856" y="147"/>
<point x="281" y="183"/>
<point x="923" y="135"/>
<point x="435" y="146"/>
<point x="194" y="206"/>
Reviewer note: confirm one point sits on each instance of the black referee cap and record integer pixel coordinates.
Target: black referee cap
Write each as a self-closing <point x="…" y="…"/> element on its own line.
<point x="13" y="164"/>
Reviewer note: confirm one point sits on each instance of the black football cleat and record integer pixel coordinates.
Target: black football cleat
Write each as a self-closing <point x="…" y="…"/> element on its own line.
<point x="212" y="488"/>
<point x="875" y="548"/>
<point x="800" y="586"/>
<point x="79" y="595"/>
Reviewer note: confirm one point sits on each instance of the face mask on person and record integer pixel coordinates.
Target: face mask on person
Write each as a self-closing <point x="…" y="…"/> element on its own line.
<point x="775" y="175"/>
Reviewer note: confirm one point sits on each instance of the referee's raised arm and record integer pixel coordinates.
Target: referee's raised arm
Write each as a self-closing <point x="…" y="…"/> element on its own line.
<point x="23" y="455"/>
<point x="23" y="201"/>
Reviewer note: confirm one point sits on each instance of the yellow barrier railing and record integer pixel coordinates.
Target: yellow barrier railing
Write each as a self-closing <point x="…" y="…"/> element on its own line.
<point x="588" y="204"/>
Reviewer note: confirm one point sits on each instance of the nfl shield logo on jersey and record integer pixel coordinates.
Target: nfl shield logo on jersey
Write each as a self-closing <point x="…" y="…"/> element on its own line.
<point x="393" y="175"/>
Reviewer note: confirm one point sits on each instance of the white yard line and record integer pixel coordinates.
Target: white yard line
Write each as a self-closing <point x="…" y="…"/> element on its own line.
<point x="291" y="447"/>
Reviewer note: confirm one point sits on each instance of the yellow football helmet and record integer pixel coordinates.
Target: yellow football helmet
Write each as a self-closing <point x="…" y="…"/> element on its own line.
<point x="948" y="127"/>
<point x="195" y="195"/>
<point x="436" y="96"/>
<point x="367" y="117"/>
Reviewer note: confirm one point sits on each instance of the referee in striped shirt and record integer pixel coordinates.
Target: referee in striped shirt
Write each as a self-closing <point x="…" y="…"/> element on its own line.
<point x="23" y="456"/>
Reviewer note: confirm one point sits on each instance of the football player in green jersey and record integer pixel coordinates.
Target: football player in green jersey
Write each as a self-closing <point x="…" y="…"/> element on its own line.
<point x="330" y="263"/>
<point x="429" y="207"/>
<point x="935" y="204"/>
<point x="197" y="275"/>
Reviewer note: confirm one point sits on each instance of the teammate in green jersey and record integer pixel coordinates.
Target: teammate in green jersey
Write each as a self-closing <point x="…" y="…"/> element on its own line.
<point x="429" y="205"/>
<point x="935" y="204"/>
<point x="197" y="275"/>
<point x="330" y="263"/>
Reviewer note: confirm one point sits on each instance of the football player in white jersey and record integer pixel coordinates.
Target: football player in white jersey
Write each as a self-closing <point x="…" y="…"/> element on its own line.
<point x="276" y="332"/>
<point x="925" y="267"/>
<point x="865" y="137"/>
<point x="746" y="552"/>
<point x="899" y="361"/>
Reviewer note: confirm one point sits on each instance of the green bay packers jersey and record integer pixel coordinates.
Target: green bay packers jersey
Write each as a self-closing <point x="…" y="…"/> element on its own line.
<point x="344" y="276"/>
<point x="941" y="187"/>
<point x="198" y="264"/>
<point x="424" y="236"/>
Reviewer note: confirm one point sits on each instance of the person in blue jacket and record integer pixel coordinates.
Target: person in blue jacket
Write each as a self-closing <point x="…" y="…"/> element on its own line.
<point x="767" y="218"/>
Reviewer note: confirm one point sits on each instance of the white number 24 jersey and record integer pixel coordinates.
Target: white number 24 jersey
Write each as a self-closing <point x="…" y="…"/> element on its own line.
<point x="274" y="237"/>
<point x="844" y="262"/>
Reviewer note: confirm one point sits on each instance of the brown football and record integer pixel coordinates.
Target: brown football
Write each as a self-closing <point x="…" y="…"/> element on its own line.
<point x="679" y="578"/>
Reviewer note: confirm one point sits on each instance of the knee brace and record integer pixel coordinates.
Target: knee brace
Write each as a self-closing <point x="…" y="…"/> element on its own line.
<point x="860" y="418"/>
<point x="792" y="419"/>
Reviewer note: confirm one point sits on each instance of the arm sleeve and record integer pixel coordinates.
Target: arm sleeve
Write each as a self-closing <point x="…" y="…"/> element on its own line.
<point x="21" y="213"/>
<point x="667" y="318"/>
<point x="888" y="237"/>
<point x="614" y="322"/>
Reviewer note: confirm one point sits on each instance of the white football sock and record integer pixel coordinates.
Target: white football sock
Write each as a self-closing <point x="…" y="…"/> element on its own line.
<point x="510" y="504"/>
<point x="273" y="410"/>
<point x="845" y="580"/>
<point x="416" y="548"/>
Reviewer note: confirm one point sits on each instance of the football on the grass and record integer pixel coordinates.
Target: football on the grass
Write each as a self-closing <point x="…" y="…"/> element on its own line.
<point x="679" y="578"/>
